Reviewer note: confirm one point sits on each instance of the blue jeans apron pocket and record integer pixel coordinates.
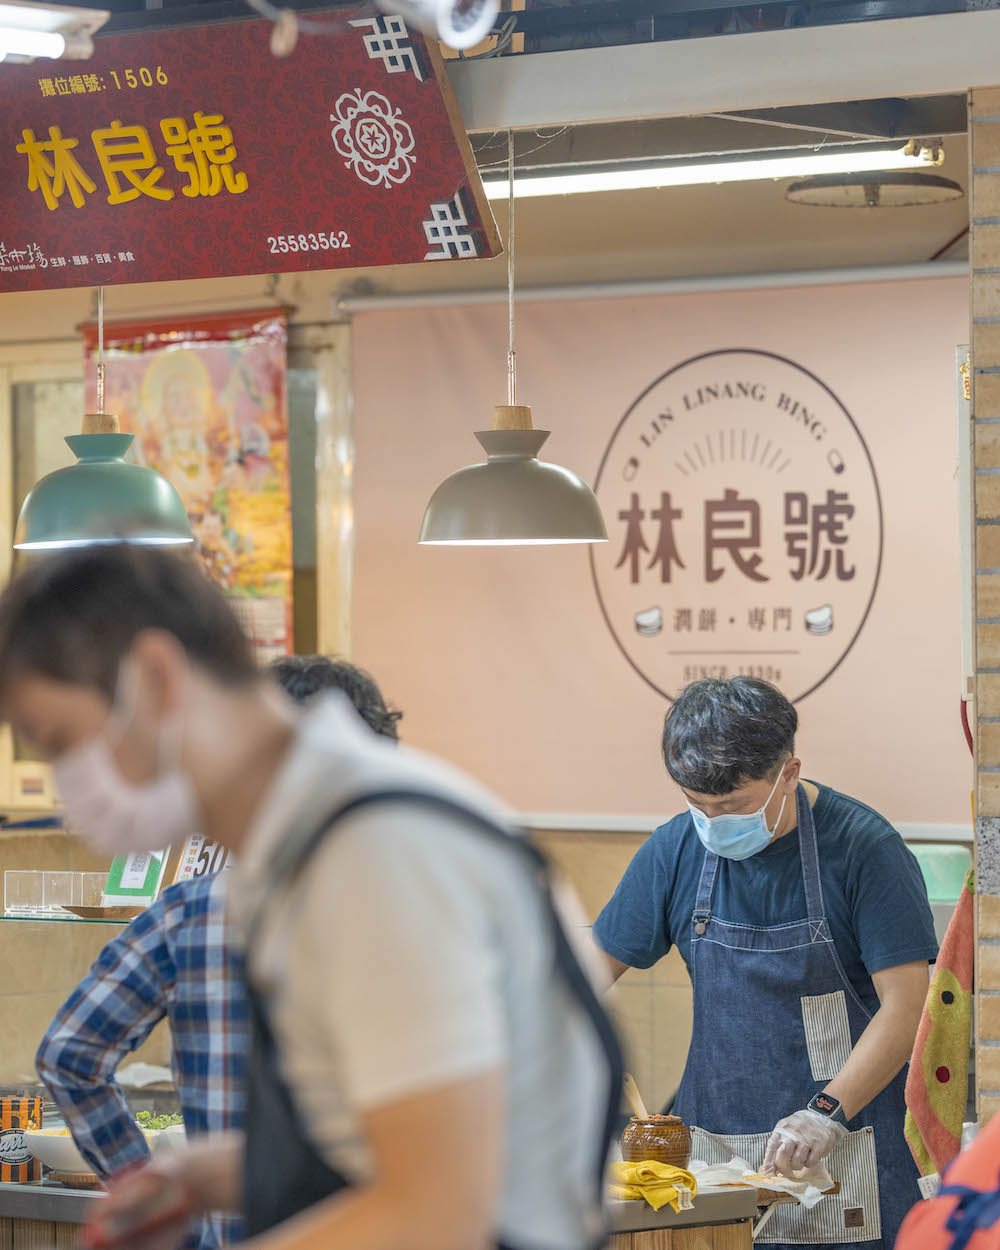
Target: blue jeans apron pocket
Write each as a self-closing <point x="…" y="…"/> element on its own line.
<point x="853" y="1215"/>
<point x="828" y="1033"/>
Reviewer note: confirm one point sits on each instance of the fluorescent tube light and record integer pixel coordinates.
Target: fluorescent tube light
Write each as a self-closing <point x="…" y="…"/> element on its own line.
<point x="697" y="174"/>
<point x="16" y="41"/>
<point x="29" y="30"/>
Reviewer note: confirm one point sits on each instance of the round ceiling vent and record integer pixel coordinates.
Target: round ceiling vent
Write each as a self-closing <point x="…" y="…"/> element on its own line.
<point x="904" y="189"/>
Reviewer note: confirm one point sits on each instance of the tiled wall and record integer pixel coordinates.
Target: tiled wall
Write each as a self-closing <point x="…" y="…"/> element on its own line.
<point x="41" y="962"/>
<point x="984" y="155"/>
<point x="653" y="1008"/>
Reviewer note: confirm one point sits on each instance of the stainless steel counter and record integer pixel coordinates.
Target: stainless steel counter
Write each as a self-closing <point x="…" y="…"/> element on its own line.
<point x="59" y="1205"/>
<point x="55" y="1204"/>
<point x="711" y="1206"/>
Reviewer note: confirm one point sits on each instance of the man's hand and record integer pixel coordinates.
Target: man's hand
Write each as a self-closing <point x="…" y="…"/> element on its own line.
<point x="800" y="1141"/>
<point x="150" y="1207"/>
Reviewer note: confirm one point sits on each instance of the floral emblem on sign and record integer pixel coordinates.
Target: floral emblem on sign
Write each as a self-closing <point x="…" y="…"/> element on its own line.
<point x="373" y="137"/>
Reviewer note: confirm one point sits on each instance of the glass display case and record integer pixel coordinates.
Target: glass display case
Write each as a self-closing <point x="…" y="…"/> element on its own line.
<point x="33" y="894"/>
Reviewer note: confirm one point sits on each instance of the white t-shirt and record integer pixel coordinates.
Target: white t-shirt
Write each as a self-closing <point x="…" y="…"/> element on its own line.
<point x="412" y="952"/>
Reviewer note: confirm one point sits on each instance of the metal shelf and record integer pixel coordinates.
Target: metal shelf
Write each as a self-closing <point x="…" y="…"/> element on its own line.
<point x="61" y="920"/>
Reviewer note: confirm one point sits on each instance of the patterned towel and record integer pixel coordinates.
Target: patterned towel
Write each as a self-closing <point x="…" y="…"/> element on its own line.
<point x="658" y="1183"/>
<point x="937" y="1087"/>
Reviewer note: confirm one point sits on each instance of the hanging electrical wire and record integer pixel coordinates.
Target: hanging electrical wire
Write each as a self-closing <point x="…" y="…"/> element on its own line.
<point x="490" y="167"/>
<point x="511" y="353"/>
<point x="100" y="349"/>
<point x="313" y="25"/>
<point x="504" y="37"/>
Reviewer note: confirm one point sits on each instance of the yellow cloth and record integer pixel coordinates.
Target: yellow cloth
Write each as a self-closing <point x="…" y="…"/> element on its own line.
<point x="657" y="1183"/>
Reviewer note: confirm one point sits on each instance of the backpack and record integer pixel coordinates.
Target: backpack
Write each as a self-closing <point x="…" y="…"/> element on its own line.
<point x="965" y="1213"/>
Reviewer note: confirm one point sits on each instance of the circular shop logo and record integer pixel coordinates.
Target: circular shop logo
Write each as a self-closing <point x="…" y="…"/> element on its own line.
<point x="745" y="522"/>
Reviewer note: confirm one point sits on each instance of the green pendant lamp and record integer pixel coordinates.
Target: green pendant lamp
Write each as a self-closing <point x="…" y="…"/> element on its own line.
<point x="513" y="499"/>
<point x="102" y="498"/>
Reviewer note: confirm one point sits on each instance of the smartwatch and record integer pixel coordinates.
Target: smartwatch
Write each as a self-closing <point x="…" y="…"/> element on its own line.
<point x="826" y="1104"/>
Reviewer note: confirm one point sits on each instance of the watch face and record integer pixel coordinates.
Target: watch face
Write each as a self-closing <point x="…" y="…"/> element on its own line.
<point x="825" y="1104"/>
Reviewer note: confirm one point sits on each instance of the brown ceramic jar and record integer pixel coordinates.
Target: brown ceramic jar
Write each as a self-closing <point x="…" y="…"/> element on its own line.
<point x="663" y="1138"/>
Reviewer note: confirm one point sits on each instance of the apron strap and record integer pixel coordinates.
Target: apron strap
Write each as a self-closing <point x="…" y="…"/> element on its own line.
<point x="809" y="857"/>
<point x="702" y="913"/>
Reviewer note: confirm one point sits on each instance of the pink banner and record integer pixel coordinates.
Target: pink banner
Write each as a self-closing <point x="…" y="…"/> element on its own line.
<point x="780" y="490"/>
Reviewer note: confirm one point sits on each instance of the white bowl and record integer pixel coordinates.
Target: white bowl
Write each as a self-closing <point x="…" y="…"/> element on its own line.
<point x="59" y="1152"/>
<point x="56" y="1151"/>
<point x="161" y="1140"/>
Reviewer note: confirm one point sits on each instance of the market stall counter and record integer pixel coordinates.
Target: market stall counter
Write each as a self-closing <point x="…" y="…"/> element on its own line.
<point x="42" y="1215"/>
<point x="46" y="1216"/>
<point x="720" y="1219"/>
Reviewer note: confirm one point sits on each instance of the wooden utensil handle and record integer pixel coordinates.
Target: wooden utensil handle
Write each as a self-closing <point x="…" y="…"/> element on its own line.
<point x="634" y="1098"/>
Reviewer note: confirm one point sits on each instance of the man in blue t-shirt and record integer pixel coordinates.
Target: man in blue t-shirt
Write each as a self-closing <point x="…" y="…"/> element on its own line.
<point x="804" y="923"/>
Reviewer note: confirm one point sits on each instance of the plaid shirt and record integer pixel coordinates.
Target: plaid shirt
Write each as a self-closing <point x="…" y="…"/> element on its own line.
<point x="173" y="960"/>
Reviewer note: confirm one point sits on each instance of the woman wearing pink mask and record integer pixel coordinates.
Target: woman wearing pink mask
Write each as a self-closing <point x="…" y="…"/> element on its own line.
<point x="430" y="1065"/>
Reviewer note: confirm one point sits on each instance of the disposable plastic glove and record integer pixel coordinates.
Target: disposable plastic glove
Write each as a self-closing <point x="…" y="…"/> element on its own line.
<point x="800" y="1141"/>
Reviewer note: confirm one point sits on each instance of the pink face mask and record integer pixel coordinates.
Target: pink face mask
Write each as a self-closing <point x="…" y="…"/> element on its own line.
<point x="116" y="815"/>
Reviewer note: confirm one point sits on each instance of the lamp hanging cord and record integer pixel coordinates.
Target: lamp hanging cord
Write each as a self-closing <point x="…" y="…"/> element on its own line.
<point x="100" y="349"/>
<point x="511" y="357"/>
<point x="313" y="26"/>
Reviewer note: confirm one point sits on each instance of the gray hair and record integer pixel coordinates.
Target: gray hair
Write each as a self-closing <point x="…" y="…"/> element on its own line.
<point x="721" y="734"/>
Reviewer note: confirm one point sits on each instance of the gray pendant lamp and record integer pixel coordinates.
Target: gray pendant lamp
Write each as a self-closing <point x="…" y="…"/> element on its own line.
<point x="513" y="498"/>
<point x="102" y="498"/>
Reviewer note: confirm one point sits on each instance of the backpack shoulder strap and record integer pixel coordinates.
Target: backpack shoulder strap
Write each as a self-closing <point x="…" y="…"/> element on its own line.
<point x="974" y="1211"/>
<point x="295" y="854"/>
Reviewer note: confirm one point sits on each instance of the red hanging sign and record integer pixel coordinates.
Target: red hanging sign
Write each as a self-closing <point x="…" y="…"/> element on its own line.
<point x="196" y="153"/>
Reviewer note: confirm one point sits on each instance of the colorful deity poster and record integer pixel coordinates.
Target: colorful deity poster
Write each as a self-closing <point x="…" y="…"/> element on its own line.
<point x="205" y="399"/>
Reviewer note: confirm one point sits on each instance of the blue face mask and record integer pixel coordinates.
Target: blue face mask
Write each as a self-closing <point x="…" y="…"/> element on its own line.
<point x="737" y="836"/>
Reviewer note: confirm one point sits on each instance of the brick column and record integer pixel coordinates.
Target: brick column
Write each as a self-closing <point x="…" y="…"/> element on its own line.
<point x="984" y="209"/>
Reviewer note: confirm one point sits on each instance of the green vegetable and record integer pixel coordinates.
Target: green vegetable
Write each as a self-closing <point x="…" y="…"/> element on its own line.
<point x="146" y="1120"/>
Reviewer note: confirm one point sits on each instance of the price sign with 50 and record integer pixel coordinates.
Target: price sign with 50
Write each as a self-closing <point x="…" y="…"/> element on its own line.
<point x="200" y="858"/>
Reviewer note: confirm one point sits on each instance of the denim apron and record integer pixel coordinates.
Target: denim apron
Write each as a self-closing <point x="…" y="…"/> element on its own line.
<point x="283" y="1171"/>
<point x="775" y="1019"/>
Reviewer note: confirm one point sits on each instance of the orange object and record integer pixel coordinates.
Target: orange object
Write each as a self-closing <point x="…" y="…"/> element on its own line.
<point x="968" y="1219"/>
<point x="18" y="1116"/>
